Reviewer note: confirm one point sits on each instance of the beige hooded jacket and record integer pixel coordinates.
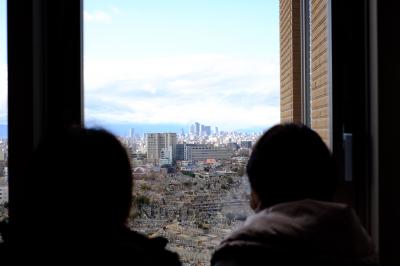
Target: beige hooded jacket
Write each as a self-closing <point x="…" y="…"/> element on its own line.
<point x="306" y="232"/>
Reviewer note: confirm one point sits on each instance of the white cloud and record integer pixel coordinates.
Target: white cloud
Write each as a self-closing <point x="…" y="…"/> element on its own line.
<point x="96" y="16"/>
<point x="212" y="89"/>
<point x="115" y="10"/>
<point x="218" y="90"/>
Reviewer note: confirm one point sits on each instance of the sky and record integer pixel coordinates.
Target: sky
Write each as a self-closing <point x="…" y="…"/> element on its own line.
<point x="3" y="67"/>
<point x="161" y="63"/>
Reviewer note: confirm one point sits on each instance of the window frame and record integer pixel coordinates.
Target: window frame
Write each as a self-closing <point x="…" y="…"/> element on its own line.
<point x="44" y="87"/>
<point x="306" y="71"/>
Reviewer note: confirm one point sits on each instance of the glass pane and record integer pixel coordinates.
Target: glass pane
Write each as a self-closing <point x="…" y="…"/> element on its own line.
<point x="188" y="86"/>
<point x="3" y="112"/>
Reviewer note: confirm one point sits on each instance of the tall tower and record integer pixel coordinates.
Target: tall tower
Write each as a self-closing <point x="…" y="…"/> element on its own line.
<point x="202" y="130"/>
<point x="152" y="146"/>
<point x="132" y="140"/>
<point x="192" y="130"/>
<point x="197" y="125"/>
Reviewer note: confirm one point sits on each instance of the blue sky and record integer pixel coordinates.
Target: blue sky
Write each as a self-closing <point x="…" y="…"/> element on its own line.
<point x="174" y="62"/>
<point x="135" y="29"/>
<point x="161" y="62"/>
<point x="3" y="26"/>
<point x="3" y="66"/>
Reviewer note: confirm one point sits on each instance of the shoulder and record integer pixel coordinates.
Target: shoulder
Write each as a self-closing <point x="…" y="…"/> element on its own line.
<point x="306" y="229"/>
<point x="250" y="244"/>
<point x="149" y="251"/>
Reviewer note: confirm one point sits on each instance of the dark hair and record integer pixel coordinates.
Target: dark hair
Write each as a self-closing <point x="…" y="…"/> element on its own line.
<point x="291" y="162"/>
<point x="84" y="177"/>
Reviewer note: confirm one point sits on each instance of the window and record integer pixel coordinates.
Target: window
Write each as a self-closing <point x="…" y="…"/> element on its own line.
<point x="22" y="111"/>
<point x="3" y="112"/>
<point x="188" y="86"/>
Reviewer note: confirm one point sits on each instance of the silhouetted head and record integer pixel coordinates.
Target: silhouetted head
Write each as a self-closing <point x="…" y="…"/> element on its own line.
<point x="82" y="179"/>
<point x="290" y="162"/>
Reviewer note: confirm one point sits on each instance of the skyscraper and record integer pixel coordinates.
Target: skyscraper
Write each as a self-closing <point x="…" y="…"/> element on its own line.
<point x="132" y="140"/>
<point x="207" y="130"/>
<point x="197" y="127"/>
<point x="202" y="130"/>
<point x="156" y="142"/>
<point x="192" y="130"/>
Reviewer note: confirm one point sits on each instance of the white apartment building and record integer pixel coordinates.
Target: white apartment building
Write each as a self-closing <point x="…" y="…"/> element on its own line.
<point x="156" y="142"/>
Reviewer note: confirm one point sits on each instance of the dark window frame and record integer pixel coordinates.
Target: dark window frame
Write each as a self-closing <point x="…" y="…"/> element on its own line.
<point x="44" y="86"/>
<point x="365" y="76"/>
<point x="306" y="35"/>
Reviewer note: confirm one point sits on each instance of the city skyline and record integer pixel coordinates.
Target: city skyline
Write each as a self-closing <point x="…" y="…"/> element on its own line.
<point x="123" y="129"/>
<point x="171" y="128"/>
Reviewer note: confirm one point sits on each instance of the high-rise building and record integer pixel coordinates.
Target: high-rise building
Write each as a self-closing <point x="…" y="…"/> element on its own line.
<point x="156" y="142"/>
<point x="132" y="140"/>
<point x="202" y="130"/>
<point x="207" y="130"/>
<point x="192" y="130"/>
<point x="197" y="128"/>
